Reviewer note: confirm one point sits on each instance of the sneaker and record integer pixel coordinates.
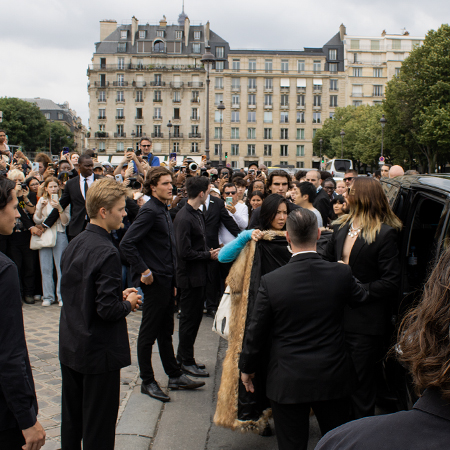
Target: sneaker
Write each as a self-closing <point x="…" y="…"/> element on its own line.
<point x="37" y="298"/>
<point x="60" y="303"/>
<point x="46" y="303"/>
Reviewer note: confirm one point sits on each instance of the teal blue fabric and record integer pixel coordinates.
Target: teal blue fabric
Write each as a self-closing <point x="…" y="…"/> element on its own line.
<point x="229" y="252"/>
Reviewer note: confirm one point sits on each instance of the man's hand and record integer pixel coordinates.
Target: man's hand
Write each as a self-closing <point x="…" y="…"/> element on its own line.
<point x="127" y="292"/>
<point x="247" y="381"/>
<point x="174" y="291"/>
<point x="147" y="280"/>
<point x="34" y="437"/>
<point x="230" y="208"/>
<point x="134" y="299"/>
<point x="214" y="253"/>
<point x="49" y="172"/>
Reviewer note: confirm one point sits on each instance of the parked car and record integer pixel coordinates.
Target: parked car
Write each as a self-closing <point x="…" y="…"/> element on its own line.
<point x="338" y="167"/>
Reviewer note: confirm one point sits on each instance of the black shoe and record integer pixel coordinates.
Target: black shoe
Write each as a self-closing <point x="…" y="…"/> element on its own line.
<point x="29" y="300"/>
<point x="194" y="370"/>
<point x="199" y="365"/>
<point x="153" y="390"/>
<point x="267" y="432"/>
<point x="178" y="315"/>
<point x="211" y="313"/>
<point x="183" y="382"/>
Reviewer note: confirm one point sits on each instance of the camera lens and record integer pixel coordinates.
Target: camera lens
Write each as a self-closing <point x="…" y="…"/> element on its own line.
<point x="193" y="166"/>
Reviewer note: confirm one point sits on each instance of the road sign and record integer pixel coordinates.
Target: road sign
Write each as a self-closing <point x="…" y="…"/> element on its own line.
<point x="381" y="159"/>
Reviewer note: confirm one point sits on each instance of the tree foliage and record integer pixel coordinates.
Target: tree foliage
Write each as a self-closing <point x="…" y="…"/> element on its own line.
<point x="61" y="137"/>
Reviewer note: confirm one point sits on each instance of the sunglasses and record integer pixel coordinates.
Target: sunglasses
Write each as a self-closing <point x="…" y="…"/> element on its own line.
<point x="230" y="193"/>
<point x="145" y="145"/>
<point x="349" y="178"/>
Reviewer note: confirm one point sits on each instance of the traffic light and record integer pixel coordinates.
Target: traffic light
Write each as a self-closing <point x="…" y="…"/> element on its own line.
<point x="323" y="159"/>
<point x="226" y="155"/>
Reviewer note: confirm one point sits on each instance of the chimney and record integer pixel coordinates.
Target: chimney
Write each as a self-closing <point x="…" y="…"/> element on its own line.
<point x="342" y="31"/>
<point x="187" y="24"/>
<point x="106" y="28"/>
<point x="207" y="33"/>
<point x="134" y="29"/>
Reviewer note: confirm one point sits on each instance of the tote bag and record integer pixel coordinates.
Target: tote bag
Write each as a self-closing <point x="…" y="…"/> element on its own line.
<point x="47" y="239"/>
<point x="221" y="324"/>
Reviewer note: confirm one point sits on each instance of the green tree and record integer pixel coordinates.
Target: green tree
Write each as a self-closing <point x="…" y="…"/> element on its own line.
<point x="61" y="137"/>
<point x="24" y="124"/>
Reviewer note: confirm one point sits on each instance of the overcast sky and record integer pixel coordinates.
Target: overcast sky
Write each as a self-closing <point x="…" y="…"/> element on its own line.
<point x="46" y="45"/>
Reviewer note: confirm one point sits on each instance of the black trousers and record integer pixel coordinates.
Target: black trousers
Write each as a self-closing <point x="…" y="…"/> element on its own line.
<point x="292" y="420"/>
<point x="90" y="404"/>
<point x="213" y="286"/>
<point x="365" y="351"/>
<point x="191" y="304"/>
<point x="157" y="324"/>
<point x="12" y="439"/>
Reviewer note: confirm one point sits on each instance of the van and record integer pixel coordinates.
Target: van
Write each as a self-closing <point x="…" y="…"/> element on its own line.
<point x="338" y="167"/>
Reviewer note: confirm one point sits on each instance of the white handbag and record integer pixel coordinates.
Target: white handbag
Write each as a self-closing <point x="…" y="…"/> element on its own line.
<point x="221" y="324"/>
<point x="47" y="239"/>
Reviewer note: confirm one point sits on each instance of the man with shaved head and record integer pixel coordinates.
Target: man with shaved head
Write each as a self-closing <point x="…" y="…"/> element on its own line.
<point x="396" y="171"/>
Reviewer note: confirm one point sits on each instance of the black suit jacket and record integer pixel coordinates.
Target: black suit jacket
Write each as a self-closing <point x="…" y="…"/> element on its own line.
<point x="377" y="267"/>
<point x="71" y="196"/>
<point x="323" y="204"/>
<point x="303" y="314"/>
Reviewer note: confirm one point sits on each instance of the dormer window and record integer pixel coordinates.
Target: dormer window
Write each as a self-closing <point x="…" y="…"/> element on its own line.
<point x="123" y="34"/>
<point x="178" y="35"/>
<point x="160" y="33"/>
<point x="142" y="34"/>
<point x="197" y="35"/>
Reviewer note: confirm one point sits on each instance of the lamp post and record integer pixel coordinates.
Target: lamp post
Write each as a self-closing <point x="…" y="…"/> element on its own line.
<point x="342" y="143"/>
<point x="169" y="126"/>
<point x="221" y="108"/>
<point x="207" y="60"/>
<point x="133" y="135"/>
<point x="383" y="123"/>
<point x="320" y="154"/>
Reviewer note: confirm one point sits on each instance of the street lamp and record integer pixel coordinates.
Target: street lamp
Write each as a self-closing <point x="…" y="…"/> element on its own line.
<point x="342" y="142"/>
<point x="133" y="135"/>
<point x="221" y="108"/>
<point x="320" y="154"/>
<point x="383" y="123"/>
<point x="207" y="60"/>
<point x="169" y="126"/>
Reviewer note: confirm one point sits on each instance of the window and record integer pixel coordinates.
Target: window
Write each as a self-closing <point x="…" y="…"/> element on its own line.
<point x="234" y="116"/>
<point x="300" y="165"/>
<point x="121" y="47"/>
<point x="138" y="130"/>
<point x="159" y="47"/>
<point x="357" y="102"/>
<point x="331" y="115"/>
<point x="300" y="133"/>
<point x="357" y="71"/>
<point x="374" y="45"/>
<point x="300" y="100"/>
<point x="333" y="85"/>
<point x="234" y="149"/>
<point x="251" y="150"/>
<point x="377" y="90"/>
<point x="252" y="99"/>
<point x="176" y="113"/>
<point x="196" y="47"/>
<point x="284" y="133"/>
<point x="252" y="65"/>
<point x="268" y="150"/>
<point x="284" y="150"/>
<point x="284" y="66"/>
<point x="194" y="114"/>
<point x="251" y="116"/>
<point x="236" y="83"/>
<point x="217" y="116"/>
<point x="235" y="99"/>
<point x="314" y="132"/>
<point x="220" y="52"/>
<point x="268" y="83"/>
<point x="176" y="131"/>
<point x="267" y="116"/>
<point x="316" y="117"/>
<point x="300" y="117"/>
<point x="332" y="54"/>
<point x="101" y="146"/>
<point x="157" y="113"/>
<point x="252" y="83"/>
<point x="120" y="147"/>
<point x="300" y="150"/>
<point x="317" y="66"/>
<point x="142" y="34"/>
<point x="177" y="96"/>
<point x="194" y="147"/>
<point x="284" y="117"/>
<point x="160" y="33"/>
<point x="178" y="35"/>
<point x="284" y="99"/>
<point x="236" y="65"/>
<point x="396" y="44"/>
<point x="195" y="96"/>
<point x="218" y="134"/>
<point x="317" y="100"/>
<point x="157" y="130"/>
<point x="102" y="127"/>
<point x="157" y="96"/>
<point x="120" y="79"/>
<point x="123" y="34"/>
<point x="120" y="96"/>
<point x="268" y="100"/>
<point x="197" y="35"/>
<point x="377" y="73"/>
<point x="267" y="133"/>
<point x="333" y="101"/>
<point x="357" y="90"/>
<point x="140" y="63"/>
<point x="332" y="67"/>
<point x="317" y="84"/>
<point x="268" y="66"/>
<point x="400" y="56"/>
<point x="216" y="149"/>
<point x="397" y="71"/>
<point x="300" y="66"/>
<point x="194" y="131"/>
<point x="219" y="83"/>
<point x="251" y="133"/>
<point x="139" y="113"/>
<point x="176" y="147"/>
<point x="234" y="133"/>
<point x="102" y="96"/>
<point x="47" y="115"/>
<point x="119" y="113"/>
<point x="218" y="99"/>
<point x="121" y="63"/>
<point x="120" y="130"/>
<point x="220" y="65"/>
<point x="354" y="44"/>
<point x="101" y="114"/>
<point x="158" y="79"/>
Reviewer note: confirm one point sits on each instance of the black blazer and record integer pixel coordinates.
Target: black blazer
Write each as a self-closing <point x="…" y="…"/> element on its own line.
<point x="303" y="314"/>
<point x="192" y="248"/>
<point x="426" y="426"/>
<point x="71" y="196"/>
<point x="377" y="267"/>
<point x="323" y="204"/>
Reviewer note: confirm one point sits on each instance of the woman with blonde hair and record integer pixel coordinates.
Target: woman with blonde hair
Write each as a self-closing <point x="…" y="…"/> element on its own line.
<point x="46" y="204"/>
<point x="366" y="239"/>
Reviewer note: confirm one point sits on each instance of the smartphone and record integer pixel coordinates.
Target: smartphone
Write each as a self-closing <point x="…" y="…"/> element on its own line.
<point x="66" y="150"/>
<point x="179" y="191"/>
<point x="251" y="171"/>
<point x="119" y="178"/>
<point x="173" y="156"/>
<point x="55" y="158"/>
<point x="224" y="175"/>
<point x="229" y="201"/>
<point x="55" y="197"/>
<point x="130" y="149"/>
<point x="258" y="173"/>
<point x="35" y="167"/>
<point x="50" y="165"/>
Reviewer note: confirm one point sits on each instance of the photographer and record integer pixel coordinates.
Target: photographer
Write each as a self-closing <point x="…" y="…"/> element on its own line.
<point x="145" y="146"/>
<point x="129" y="157"/>
<point x="238" y="211"/>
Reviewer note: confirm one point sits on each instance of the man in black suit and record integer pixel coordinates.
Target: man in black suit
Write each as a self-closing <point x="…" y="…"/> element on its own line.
<point x="322" y="202"/>
<point x="18" y="405"/>
<point x="308" y="365"/>
<point x="93" y="336"/>
<point x="193" y="256"/>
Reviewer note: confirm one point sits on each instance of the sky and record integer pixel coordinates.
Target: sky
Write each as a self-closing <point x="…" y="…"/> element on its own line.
<point x="46" y="45"/>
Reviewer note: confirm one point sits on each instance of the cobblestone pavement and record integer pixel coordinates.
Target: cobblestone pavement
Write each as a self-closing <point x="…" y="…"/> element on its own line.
<point x="41" y="330"/>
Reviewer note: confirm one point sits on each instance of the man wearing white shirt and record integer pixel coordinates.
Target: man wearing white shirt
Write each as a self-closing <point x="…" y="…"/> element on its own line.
<point x="238" y="211"/>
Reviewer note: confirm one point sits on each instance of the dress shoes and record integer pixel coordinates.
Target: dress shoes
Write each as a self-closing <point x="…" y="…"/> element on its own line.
<point x="183" y="382"/>
<point x="153" y="390"/>
<point x="29" y="300"/>
<point x="199" y="365"/>
<point x="211" y="313"/>
<point x="194" y="370"/>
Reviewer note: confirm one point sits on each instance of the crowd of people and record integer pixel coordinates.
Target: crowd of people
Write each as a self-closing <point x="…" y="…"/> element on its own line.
<point x="101" y="241"/>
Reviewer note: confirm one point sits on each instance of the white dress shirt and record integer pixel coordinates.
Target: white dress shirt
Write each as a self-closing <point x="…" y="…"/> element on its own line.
<point x="241" y="219"/>
<point x="89" y="180"/>
<point x="299" y="253"/>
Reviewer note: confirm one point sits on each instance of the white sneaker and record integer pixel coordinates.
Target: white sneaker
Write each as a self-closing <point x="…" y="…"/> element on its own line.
<point x="60" y="303"/>
<point x="46" y="303"/>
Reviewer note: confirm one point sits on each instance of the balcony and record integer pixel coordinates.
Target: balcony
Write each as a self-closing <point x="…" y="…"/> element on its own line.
<point x="101" y="83"/>
<point x="139" y="84"/>
<point x="101" y="117"/>
<point x="235" y="105"/>
<point x="101" y="100"/>
<point x="157" y="83"/>
<point x="158" y="135"/>
<point x="268" y="89"/>
<point x="317" y="88"/>
<point x="176" y="100"/>
<point x="317" y="107"/>
<point x="157" y="100"/>
<point x="301" y="89"/>
<point x="195" y="100"/>
<point x="157" y="118"/>
<point x="176" y="84"/>
<point x="139" y="118"/>
<point x="139" y="100"/>
<point x="284" y="88"/>
<point x="252" y="89"/>
<point x="120" y="100"/>
<point x="120" y="117"/>
<point x="251" y="106"/>
<point x="195" y="84"/>
<point x="101" y="134"/>
<point x="317" y="71"/>
<point x="177" y="136"/>
<point x="120" y="83"/>
<point x="120" y="135"/>
<point x="176" y="118"/>
<point x="300" y="106"/>
<point x="268" y="106"/>
<point x="235" y="89"/>
<point x="284" y="106"/>
<point x="195" y="118"/>
<point x="195" y="135"/>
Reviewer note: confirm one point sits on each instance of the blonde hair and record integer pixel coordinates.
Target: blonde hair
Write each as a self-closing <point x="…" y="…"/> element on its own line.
<point x="16" y="175"/>
<point x="104" y="193"/>
<point x="47" y="181"/>
<point x="369" y="205"/>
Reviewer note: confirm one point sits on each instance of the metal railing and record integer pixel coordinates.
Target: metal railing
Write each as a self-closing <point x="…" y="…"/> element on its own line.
<point x="195" y="135"/>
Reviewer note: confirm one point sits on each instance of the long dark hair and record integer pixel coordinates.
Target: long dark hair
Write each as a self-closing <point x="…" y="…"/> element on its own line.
<point x="269" y="210"/>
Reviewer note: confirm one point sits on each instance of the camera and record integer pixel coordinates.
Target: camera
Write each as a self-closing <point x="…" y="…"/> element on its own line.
<point x="134" y="183"/>
<point x="130" y="149"/>
<point x="193" y="166"/>
<point x="138" y="152"/>
<point x="24" y="185"/>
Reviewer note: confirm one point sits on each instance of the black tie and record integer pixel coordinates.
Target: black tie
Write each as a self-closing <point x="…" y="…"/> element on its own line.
<point x="86" y="187"/>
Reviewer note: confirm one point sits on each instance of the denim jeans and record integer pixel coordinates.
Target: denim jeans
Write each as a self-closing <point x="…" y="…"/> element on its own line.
<point x="46" y="258"/>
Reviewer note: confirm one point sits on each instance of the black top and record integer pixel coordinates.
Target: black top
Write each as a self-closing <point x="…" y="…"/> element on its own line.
<point x="93" y="336"/>
<point x="254" y="221"/>
<point x="426" y="426"/>
<point x="323" y="204"/>
<point x="192" y="249"/>
<point x="18" y="404"/>
<point x="150" y="243"/>
<point x="303" y="315"/>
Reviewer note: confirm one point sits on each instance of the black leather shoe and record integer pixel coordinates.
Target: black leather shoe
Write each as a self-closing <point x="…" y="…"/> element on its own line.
<point x="183" y="382"/>
<point x="194" y="370"/>
<point x="153" y="390"/>
<point x="29" y="300"/>
<point x="199" y="365"/>
<point x="211" y="313"/>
